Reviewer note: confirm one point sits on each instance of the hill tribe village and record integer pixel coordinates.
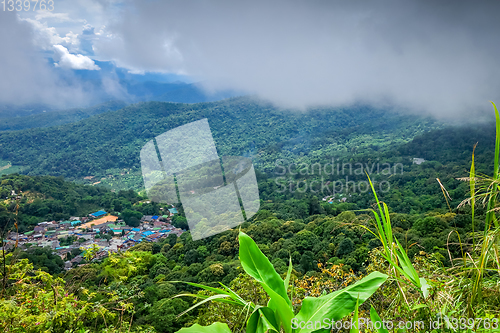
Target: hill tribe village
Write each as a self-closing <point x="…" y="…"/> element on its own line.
<point x="99" y="229"/>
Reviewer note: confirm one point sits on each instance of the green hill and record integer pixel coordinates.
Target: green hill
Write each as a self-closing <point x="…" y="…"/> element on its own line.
<point x="54" y="118"/>
<point x="107" y="145"/>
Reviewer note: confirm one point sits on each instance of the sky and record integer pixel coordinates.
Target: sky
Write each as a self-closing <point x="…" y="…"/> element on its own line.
<point x="439" y="57"/>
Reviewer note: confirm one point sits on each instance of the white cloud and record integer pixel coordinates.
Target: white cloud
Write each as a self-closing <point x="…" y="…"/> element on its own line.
<point x="45" y="14"/>
<point x="26" y="77"/>
<point x="73" y="61"/>
<point x="436" y="56"/>
<point x="46" y="36"/>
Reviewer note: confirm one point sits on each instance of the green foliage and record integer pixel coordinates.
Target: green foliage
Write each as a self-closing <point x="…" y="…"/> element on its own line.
<point x="289" y="225"/>
<point x="278" y="314"/>
<point x="35" y="301"/>
<point x="42" y="258"/>
<point x="131" y="217"/>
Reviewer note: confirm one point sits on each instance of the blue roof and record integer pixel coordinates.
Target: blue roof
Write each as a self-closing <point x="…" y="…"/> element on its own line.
<point x="147" y="233"/>
<point x="173" y="210"/>
<point x="155" y="217"/>
<point x="98" y="213"/>
<point x="136" y="229"/>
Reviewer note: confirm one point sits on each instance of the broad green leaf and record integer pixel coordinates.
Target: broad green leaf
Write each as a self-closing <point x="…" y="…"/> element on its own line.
<point x="262" y="320"/>
<point x="339" y="304"/>
<point x="355" y="324"/>
<point x="256" y="264"/>
<point x="377" y="322"/>
<point x="284" y="313"/>
<point x="214" y="328"/>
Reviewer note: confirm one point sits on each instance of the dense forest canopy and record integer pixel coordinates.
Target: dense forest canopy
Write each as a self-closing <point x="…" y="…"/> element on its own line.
<point x="109" y="143"/>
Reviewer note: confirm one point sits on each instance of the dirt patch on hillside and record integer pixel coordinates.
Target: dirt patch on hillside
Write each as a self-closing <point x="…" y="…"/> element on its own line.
<point x="5" y="167"/>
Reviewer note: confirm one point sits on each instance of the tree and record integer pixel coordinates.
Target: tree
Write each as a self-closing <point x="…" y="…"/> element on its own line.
<point x="180" y="222"/>
<point x="172" y="239"/>
<point x="91" y="252"/>
<point x="164" y="315"/>
<point x="345" y="247"/>
<point x="307" y="261"/>
<point x="131" y="217"/>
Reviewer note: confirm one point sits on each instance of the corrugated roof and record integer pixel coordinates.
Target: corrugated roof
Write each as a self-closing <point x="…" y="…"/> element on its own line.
<point x="99" y="213"/>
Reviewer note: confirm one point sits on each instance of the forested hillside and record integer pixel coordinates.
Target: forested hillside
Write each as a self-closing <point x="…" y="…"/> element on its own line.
<point x="104" y="150"/>
<point x="331" y="243"/>
<point x="108" y="144"/>
<point x="54" y="118"/>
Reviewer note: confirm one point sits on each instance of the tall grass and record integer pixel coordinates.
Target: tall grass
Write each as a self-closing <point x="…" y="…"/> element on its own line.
<point x="484" y="258"/>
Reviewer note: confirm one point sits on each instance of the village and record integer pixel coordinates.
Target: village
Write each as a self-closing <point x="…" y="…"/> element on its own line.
<point x="70" y="239"/>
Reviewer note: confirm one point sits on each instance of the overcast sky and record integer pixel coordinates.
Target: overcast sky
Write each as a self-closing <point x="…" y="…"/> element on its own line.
<point x="441" y="57"/>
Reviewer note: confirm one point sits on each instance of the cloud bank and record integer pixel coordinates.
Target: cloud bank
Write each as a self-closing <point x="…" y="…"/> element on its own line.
<point x="26" y="77"/>
<point x="37" y="65"/>
<point x="73" y="61"/>
<point x="440" y="57"/>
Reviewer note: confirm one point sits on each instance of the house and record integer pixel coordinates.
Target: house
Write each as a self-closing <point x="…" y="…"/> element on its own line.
<point x="160" y="224"/>
<point x="97" y="214"/>
<point x="77" y="259"/>
<point x="65" y="224"/>
<point x="173" y="210"/>
<point x="52" y="226"/>
<point x="39" y="229"/>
